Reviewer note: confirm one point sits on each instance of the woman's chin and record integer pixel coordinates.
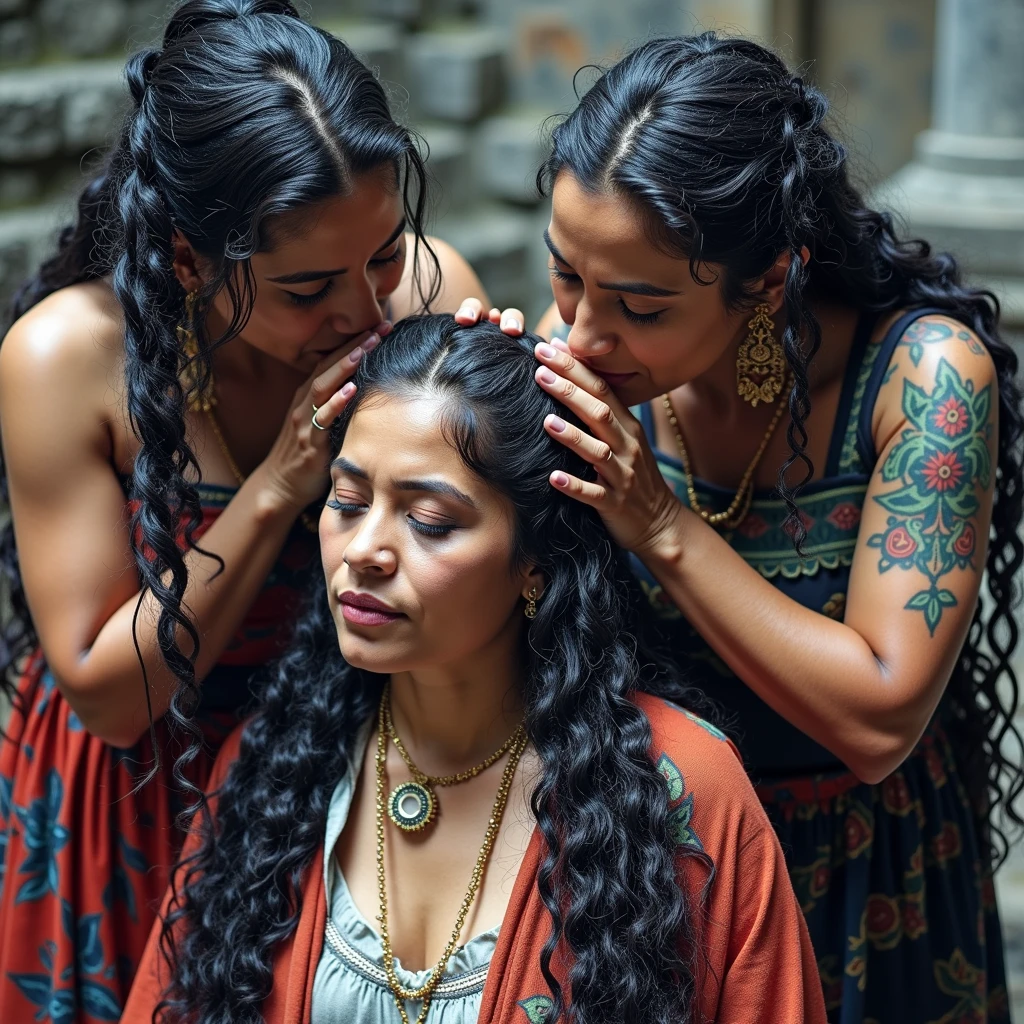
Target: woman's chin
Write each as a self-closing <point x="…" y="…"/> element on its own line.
<point x="372" y="655"/>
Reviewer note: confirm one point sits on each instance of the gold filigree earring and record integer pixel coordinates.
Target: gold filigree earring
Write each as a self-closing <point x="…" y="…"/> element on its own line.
<point x="761" y="361"/>
<point x="200" y="399"/>
<point x="531" y="603"/>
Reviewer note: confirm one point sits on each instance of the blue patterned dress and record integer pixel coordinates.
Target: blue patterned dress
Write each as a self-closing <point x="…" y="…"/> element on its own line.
<point x="890" y="877"/>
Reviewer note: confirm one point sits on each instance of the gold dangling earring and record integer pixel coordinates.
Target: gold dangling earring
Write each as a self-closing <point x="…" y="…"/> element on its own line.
<point x="531" y="603"/>
<point x="761" y="361"/>
<point x="200" y="399"/>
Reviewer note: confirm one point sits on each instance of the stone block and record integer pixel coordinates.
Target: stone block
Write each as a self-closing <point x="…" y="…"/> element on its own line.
<point x="60" y="109"/>
<point x="9" y="7"/>
<point x="508" y="150"/>
<point x="376" y="44"/>
<point x="27" y="237"/>
<point x="30" y="118"/>
<point x="497" y="242"/>
<point x="85" y="29"/>
<point x="456" y="75"/>
<point x="447" y="152"/>
<point x="18" y="186"/>
<point x="19" y="41"/>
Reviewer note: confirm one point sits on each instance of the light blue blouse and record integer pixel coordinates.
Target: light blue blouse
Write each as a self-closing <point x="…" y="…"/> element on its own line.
<point x="350" y="984"/>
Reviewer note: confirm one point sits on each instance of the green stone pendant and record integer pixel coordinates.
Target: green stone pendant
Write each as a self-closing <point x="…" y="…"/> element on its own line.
<point x="412" y="806"/>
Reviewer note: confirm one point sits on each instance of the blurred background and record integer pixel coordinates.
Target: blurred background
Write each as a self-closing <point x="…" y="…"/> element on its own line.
<point x="928" y="94"/>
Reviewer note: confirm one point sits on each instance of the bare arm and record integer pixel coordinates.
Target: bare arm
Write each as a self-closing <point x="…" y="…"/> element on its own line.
<point x="59" y="409"/>
<point x="866" y="687"/>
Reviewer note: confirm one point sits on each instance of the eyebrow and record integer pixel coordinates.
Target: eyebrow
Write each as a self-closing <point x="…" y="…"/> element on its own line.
<point x="631" y="287"/>
<point x="429" y="486"/>
<point x="305" y="276"/>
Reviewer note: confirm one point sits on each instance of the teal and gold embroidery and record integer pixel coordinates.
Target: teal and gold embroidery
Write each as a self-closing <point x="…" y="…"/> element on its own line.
<point x="537" y="1008"/>
<point x="849" y="457"/>
<point x="941" y="463"/>
<point x="706" y="726"/>
<point x="679" y="815"/>
<point x="959" y="978"/>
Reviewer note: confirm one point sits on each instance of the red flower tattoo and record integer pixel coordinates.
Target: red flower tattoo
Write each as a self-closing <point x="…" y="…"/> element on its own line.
<point x="899" y="543"/>
<point x="951" y="417"/>
<point x="942" y="472"/>
<point x="964" y="544"/>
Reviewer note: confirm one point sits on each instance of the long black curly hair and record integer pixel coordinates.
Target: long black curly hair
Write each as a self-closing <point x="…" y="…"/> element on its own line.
<point x="608" y="876"/>
<point x="730" y="156"/>
<point x="246" y="113"/>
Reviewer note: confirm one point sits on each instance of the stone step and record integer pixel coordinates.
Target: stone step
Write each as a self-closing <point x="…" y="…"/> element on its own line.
<point x="508" y="149"/>
<point x="60" y="110"/>
<point x="447" y="150"/>
<point x="456" y="75"/>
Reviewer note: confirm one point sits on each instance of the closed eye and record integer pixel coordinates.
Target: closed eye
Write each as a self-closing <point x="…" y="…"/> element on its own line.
<point x="312" y="300"/>
<point x="430" y="529"/>
<point x="640" y="318"/>
<point x="346" y="508"/>
<point x="561" y="275"/>
<point x="381" y="261"/>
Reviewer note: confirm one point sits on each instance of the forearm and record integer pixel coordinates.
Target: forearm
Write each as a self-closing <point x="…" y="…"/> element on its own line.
<point x="106" y="687"/>
<point x="819" y="674"/>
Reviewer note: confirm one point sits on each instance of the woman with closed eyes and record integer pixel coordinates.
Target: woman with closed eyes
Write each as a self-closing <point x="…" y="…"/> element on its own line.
<point x="164" y="399"/>
<point x="471" y="791"/>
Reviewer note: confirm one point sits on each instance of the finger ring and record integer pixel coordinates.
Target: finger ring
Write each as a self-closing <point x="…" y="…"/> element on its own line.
<point x="314" y="420"/>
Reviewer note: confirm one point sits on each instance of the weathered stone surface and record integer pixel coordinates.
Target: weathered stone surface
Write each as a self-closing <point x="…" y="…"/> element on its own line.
<point x="18" y="186"/>
<point x="9" y="7"/>
<point x="457" y="75"/>
<point x="19" y="41"/>
<point x="379" y="46"/>
<point x="26" y="239"/>
<point x="447" y="151"/>
<point x="63" y="109"/>
<point x="508" y="150"/>
<point x="85" y="29"/>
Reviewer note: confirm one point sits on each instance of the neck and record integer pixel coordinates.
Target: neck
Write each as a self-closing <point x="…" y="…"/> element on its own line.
<point x="452" y="718"/>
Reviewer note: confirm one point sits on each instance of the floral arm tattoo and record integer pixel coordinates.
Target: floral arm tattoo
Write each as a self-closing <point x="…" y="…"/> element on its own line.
<point x="942" y="465"/>
<point x="928" y="332"/>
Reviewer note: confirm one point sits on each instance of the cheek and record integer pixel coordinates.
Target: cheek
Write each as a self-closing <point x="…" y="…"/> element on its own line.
<point x="275" y="325"/>
<point x="387" y="278"/>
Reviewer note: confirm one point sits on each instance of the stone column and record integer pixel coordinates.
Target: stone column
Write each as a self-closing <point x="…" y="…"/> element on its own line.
<point x="964" y="189"/>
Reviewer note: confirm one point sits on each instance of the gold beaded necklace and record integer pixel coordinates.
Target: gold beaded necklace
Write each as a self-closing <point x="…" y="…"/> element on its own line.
<point x="307" y="520"/>
<point x="412" y="806"/>
<point x="426" y="991"/>
<point x="740" y="504"/>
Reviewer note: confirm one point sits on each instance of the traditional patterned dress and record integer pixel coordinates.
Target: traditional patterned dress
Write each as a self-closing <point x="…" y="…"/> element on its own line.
<point x="84" y="854"/>
<point x="890" y="877"/>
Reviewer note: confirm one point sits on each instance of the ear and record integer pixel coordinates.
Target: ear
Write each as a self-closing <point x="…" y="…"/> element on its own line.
<point x="771" y="287"/>
<point x="533" y="582"/>
<point x="185" y="263"/>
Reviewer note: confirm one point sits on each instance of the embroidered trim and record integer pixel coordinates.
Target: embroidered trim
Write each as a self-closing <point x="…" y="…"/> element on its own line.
<point x="849" y="456"/>
<point x="456" y="987"/>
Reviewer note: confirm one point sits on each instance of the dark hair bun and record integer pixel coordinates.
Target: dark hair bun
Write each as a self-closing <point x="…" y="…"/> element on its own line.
<point x="195" y="14"/>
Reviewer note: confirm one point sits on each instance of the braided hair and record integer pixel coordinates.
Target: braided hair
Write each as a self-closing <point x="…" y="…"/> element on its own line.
<point x="246" y="113"/>
<point x="728" y="155"/>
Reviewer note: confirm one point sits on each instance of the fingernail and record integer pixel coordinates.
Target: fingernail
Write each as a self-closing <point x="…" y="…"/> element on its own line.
<point x="556" y="423"/>
<point x="355" y="355"/>
<point x="371" y="343"/>
<point x="348" y="390"/>
<point x="384" y="328"/>
<point x="545" y="376"/>
<point x="545" y="351"/>
<point x="559" y="479"/>
<point x="465" y="311"/>
<point x="511" y="323"/>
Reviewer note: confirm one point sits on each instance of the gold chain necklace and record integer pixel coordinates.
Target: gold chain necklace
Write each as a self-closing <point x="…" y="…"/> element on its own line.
<point x="426" y="991"/>
<point x="740" y="504"/>
<point x="412" y="806"/>
<point x="307" y="520"/>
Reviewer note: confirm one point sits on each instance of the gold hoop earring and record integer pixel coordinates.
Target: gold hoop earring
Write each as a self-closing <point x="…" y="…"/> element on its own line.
<point x="531" y="603"/>
<point x="200" y="399"/>
<point x="761" y="361"/>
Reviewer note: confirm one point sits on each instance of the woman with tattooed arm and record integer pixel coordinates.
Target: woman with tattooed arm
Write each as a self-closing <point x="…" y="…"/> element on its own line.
<point x="807" y="431"/>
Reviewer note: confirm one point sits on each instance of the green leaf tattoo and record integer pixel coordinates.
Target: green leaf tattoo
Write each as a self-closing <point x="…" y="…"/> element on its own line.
<point x="927" y="332"/>
<point x="941" y="462"/>
<point x="537" y="1008"/>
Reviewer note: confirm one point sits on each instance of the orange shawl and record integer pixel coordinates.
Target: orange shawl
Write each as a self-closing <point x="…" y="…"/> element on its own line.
<point x="758" y="965"/>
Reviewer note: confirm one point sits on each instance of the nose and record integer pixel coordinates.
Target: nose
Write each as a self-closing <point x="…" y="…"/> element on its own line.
<point x="360" y="308"/>
<point x="369" y="550"/>
<point x="586" y="339"/>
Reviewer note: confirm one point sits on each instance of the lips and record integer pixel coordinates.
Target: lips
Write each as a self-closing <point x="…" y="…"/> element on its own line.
<point x="366" y="610"/>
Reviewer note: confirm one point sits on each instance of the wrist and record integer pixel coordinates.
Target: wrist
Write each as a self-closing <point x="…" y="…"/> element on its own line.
<point x="272" y="502"/>
<point x="664" y="547"/>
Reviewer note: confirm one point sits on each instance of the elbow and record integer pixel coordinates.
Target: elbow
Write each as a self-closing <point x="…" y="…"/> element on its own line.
<point x="114" y="722"/>
<point x="880" y="751"/>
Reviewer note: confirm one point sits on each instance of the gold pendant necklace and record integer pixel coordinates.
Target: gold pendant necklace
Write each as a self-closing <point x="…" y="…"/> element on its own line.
<point x="426" y="991"/>
<point x="412" y="806"/>
<point x="740" y="504"/>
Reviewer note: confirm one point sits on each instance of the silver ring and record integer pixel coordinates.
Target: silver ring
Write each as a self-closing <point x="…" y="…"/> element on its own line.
<point x="314" y="421"/>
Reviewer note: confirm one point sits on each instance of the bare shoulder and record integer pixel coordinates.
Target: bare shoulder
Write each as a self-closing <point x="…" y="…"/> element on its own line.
<point x="73" y="337"/>
<point x="458" y="280"/>
<point x="937" y="359"/>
